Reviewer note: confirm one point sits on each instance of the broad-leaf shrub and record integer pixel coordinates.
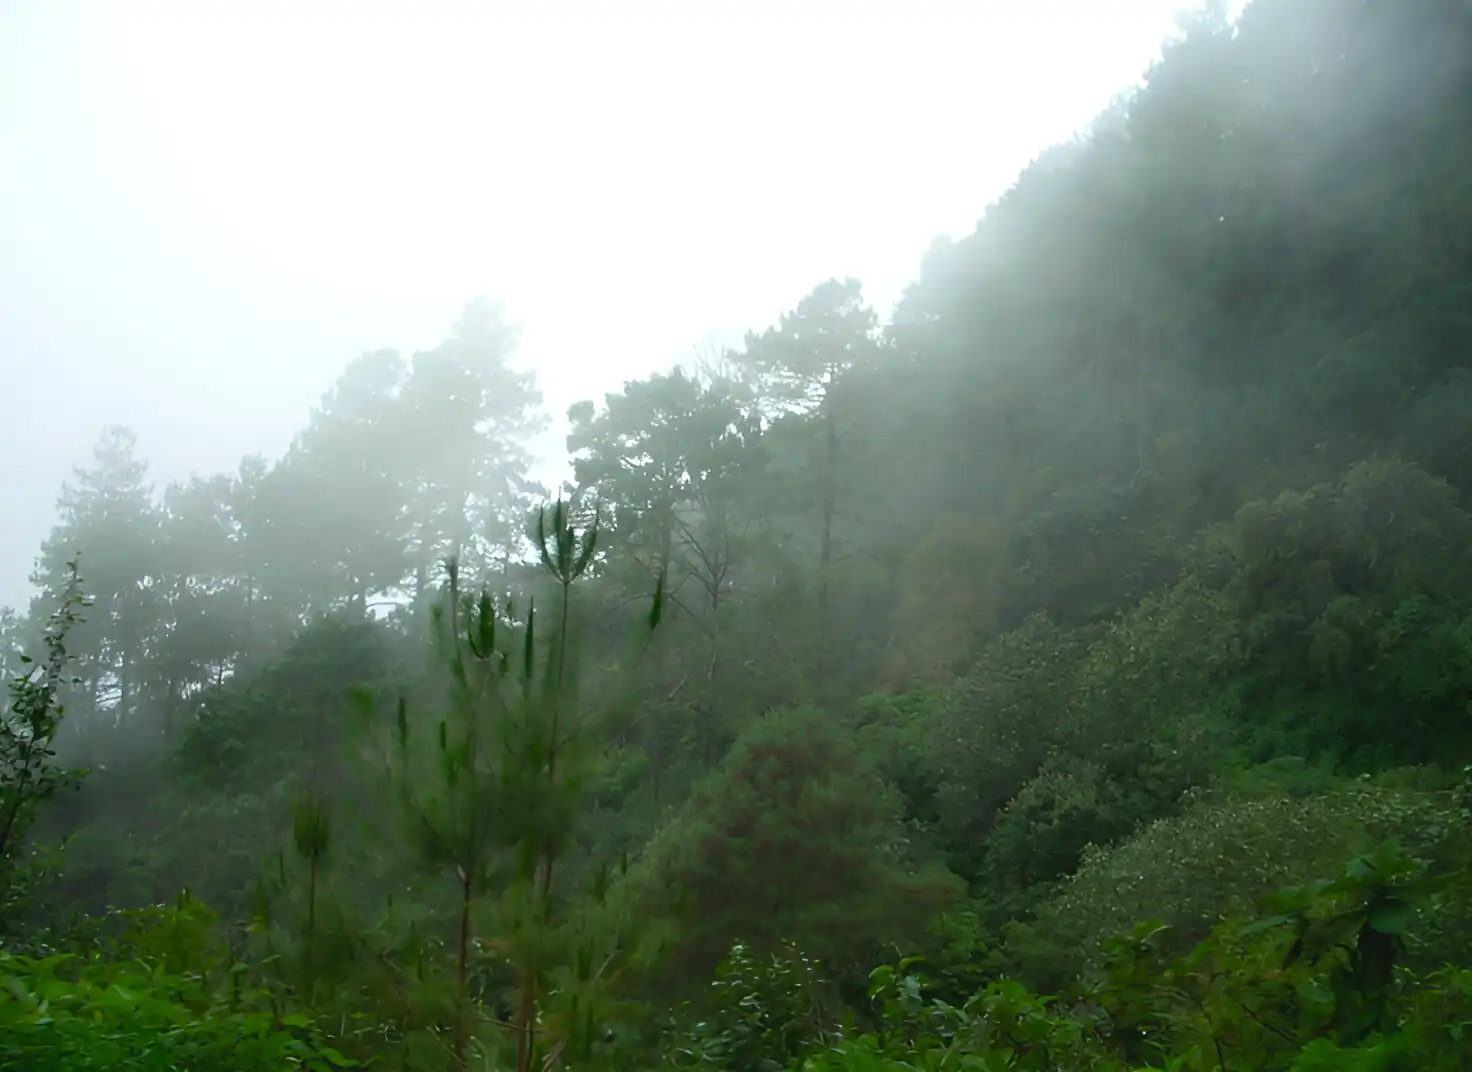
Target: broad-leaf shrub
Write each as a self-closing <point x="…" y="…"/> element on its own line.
<point x="157" y="997"/>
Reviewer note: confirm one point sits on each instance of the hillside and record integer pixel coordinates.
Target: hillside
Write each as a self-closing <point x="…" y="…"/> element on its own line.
<point x="1100" y="626"/>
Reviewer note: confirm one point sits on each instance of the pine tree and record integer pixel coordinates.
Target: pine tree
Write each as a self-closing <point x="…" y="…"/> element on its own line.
<point x="490" y="791"/>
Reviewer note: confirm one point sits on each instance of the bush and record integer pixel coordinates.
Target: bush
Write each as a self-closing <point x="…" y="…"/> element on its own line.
<point x="145" y="1001"/>
<point x="1215" y="860"/>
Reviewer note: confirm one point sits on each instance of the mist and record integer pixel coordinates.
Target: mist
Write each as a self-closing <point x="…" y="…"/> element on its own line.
<point x="737" y="537"/>
<point x="217" y="206"/>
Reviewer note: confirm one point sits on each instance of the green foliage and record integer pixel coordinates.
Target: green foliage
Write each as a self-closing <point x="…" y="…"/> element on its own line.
<point x="796" y="834"/>
<point x="289" y="718"/>
<point x="894" y="731"/>
<point x="488" y="795"/>
<point x="28" y="722"/>
<point x="159" y="996"/>
<point x="1316" y="978"/>
<point x="1312" y="985"/>
<point x="1146" y="512"/>
<point x="29" y="774"/>
<point x="1002" y="1026"/>
<point x="993" y="735"/>
<point x="762" y="1014"/>
<point x="1349" y="608"/>
<point x="1216" y="860"/>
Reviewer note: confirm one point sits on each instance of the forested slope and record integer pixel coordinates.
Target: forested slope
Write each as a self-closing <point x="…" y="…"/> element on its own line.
<point x="1125" y="574"/>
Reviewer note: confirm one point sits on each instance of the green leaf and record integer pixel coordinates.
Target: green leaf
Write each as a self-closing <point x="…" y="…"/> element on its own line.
<point x="1392" y="917"/>
<point x="1314" y="991"/>
<point x="1265" y="925"/>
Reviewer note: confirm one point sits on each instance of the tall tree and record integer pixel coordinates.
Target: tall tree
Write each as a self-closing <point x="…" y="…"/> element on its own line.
<point x="208" y="621"/>
<point x="108" y="516"/>
<point x="332" y="508"/>
<point x="466" y="418"/>
<point x="676" y="463"/>
<point x="801" y="369"/>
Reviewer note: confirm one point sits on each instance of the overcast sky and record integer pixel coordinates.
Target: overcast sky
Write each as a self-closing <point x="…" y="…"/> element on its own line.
<point x="209" y="207"/>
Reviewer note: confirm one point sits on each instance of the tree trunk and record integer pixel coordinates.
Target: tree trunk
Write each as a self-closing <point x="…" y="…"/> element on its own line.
<point x="825" y="556"/>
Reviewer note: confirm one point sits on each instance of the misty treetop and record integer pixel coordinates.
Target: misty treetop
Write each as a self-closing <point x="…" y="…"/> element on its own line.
<point x="1100" y="625"/>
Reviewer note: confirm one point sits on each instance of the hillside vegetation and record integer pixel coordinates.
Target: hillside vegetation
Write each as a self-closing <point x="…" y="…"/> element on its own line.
<point x="1098" y="627"/>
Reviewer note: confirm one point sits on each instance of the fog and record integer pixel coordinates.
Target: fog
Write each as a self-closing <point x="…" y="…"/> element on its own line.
<point x="214" y="207"/>
<point x="1007" y="578"/>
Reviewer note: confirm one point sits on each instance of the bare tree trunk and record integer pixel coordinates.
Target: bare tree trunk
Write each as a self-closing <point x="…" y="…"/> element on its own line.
<point x="825" y="556"/>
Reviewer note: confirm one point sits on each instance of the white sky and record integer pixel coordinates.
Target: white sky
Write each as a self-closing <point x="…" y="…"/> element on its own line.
<point x="208" y="208"/>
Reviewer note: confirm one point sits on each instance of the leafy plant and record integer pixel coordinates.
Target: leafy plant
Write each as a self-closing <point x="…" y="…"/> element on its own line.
<point x="158" y="997"/>
<point x="29" y="775"/>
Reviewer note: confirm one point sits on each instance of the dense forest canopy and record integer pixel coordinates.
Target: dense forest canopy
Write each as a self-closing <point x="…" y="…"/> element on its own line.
<point x="1099" y="626"/>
